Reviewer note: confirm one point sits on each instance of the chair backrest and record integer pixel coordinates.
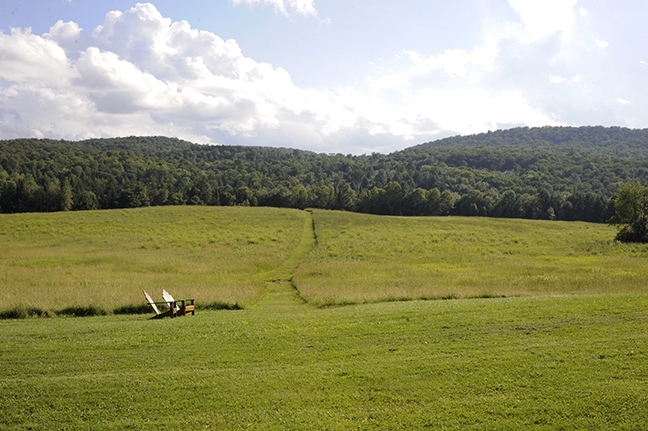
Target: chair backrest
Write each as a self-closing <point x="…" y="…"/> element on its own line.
<point x="150" y="301"/>
<point x="169" y="299"/>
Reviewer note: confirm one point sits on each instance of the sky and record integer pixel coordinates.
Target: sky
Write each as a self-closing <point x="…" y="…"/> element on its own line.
<point x="332" y="76"/>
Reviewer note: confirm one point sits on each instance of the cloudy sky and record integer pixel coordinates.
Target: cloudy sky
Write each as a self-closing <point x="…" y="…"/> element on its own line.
<point x="349" y="76"/>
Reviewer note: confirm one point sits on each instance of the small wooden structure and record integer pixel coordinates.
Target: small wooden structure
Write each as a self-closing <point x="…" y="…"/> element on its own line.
<point x="176" y="307"/>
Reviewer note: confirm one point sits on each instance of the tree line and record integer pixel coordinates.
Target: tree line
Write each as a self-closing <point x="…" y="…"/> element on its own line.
<point x="541" y="173"/>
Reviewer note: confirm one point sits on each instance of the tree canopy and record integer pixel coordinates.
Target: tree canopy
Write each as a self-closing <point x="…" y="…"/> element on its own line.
<point x="561" y="173"/>
<point x="631" y="203"/>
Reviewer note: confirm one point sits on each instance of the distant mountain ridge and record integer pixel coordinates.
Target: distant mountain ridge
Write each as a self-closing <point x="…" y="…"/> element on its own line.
<point x="567" y="173"/>
<point x="587" y="136"/>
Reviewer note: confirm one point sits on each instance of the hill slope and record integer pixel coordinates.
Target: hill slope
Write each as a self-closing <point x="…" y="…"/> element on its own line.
<point x="552" y="172"/>
<point x="240" y="257"/>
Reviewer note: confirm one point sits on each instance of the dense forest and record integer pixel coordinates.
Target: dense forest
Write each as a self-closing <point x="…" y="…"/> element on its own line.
<point x="563" y="173"/>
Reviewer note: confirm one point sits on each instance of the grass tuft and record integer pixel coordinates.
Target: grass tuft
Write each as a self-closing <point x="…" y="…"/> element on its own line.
<point x="216" y="305"/>
<point x="133" y="309"/>
<point x="23" y="313"/>
<point x="78" y="311"/>
<point x="487" y="295"/>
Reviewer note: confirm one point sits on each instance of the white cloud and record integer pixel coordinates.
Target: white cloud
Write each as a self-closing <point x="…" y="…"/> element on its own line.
<point x="559" y="79"/>
<point x="142" y="72"/>
<point x="601" y="44"/>
<point x="26" y="57"/>
<point x="444" y="93"/>
<point x="303" y="7"/>
<point x="583" y="12"/>
<point x="139" y="73"/>
<point x="545" y="17"/>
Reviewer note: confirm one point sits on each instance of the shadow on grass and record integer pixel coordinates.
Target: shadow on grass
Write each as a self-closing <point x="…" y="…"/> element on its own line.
<point x="133" y="309"/>
<point x="23" y="313"/>
<point x="82" y="311"/>
<point x="219" y="306"/>
<point x="28" y="312"/>
<point x="146" y="309"/>
<point x="335" y="302"/>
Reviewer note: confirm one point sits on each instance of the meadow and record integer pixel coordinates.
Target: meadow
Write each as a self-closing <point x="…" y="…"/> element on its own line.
<point x="366" y="258"/>
<point x="100" y="261"/>
<point x="550" y="331"/>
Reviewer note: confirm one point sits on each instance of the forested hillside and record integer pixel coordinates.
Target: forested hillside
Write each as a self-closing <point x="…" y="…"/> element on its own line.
<point x="563" y="173"/>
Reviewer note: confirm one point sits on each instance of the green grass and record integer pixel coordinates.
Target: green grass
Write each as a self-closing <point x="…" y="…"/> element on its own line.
<point x="546" y="363"/>
<point x="364" y="258"/>
<point x="98" y="262"/>
<point x="545" y="357"/>
<point x="103" y="259"/>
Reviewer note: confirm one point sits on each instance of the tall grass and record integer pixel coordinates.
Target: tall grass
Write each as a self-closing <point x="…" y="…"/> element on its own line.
<point x="101" y="260"/>
<point x="365" y="258"/>
<point x="97" y="262"/>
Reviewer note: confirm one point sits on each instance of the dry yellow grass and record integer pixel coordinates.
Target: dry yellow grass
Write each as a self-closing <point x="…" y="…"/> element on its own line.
<point x="224" y="255"/>
<point x="366" y="258"/>
<point x="106" y="258"/>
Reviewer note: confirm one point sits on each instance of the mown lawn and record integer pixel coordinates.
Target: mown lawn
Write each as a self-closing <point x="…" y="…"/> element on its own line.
<point x="564" y="362"/>
<point x="365" y="258"/>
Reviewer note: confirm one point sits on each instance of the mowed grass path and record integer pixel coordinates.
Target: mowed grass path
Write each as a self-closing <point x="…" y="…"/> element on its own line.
<point x="105" y="258"/>
<point x="365" y="258"/>
<point x="546" y="363"/>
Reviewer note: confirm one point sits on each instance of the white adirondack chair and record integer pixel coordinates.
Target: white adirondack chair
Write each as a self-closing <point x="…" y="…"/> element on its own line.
<point x="176" y="308"/>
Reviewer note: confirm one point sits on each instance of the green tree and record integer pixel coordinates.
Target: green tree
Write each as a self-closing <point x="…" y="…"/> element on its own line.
<point x="244" y="195"/>
<point x="415" y="202"/>
<point x="87" y="201"/>
<point x="446" y="202"/>
<point x="631" y="204"/>
<point x="345" y="198"/>
<point x="66" y="196"/>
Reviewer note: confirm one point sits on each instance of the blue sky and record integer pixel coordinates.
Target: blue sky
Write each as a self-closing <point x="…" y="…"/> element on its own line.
<point x="330" y="76"/>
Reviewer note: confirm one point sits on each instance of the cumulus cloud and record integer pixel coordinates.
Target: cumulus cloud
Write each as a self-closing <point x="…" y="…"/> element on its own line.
<point x="601" y="44"/>
<point x="446" y="92"/>
<point x="139" y="73"/>
<point x="286" y="7"/>
<point x="545" y="17"/>
<point x="30" y="58"/>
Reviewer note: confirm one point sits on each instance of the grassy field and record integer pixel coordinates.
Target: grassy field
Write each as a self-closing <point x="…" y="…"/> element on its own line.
<point x="99" y="261"/>
<point x="365" y="258"/>
<point x="545" y="363"/>
<point x="103" y="259"/>
<point x="565" y="349"/>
